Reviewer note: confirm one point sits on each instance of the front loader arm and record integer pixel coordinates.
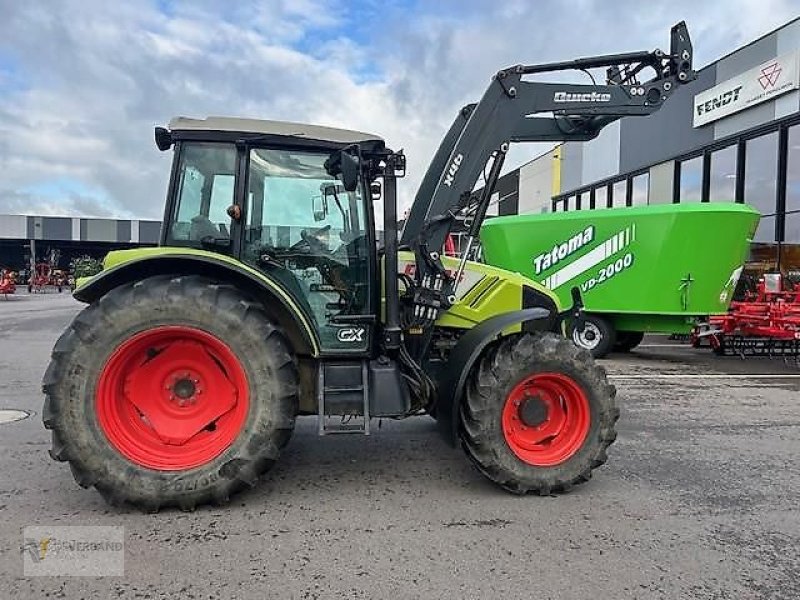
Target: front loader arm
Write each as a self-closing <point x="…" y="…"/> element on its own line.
<point x="480" y="138"/>
<point x="577" y="112"/>
<point x="514" y="109"/>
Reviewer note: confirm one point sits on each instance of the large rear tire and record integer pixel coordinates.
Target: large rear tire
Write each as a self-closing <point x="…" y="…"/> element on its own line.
<point x="172" y="391"/>
<point x="538" y="414"/>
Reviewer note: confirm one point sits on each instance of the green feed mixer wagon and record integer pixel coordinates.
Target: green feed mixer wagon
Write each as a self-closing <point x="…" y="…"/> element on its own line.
<point x="270" y="297"/>
<point x="645" y="269"/>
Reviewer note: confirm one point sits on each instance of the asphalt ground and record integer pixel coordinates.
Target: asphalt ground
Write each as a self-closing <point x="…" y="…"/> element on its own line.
<point x="699" y="499"/>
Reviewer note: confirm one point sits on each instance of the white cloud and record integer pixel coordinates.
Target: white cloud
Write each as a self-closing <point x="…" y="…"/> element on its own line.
<point x="93" y="77"/>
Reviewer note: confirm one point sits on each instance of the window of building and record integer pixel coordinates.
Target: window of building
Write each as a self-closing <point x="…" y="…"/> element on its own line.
<point x="619" y="193"/>
<point x="691" y="189"/>
<point x="761" y="182"/>
<point x="792" y="230"/>
<point x="639" y="190"/>
<point x="571" y="203"/>
<point x="722" y="184"/>
<point x="508" y="204"/>
<point x="560" y="205"/>
<point x="601" y="197"/>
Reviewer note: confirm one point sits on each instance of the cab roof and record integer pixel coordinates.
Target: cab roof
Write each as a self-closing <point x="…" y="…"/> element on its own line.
<point x="302" y="131"/>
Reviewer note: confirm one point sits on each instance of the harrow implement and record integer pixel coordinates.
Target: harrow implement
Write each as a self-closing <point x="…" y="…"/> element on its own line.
<point x="765" y="323"/>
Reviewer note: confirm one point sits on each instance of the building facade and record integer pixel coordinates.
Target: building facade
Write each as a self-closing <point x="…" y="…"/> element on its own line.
<point x="732" y="135"/>
<point x="60" y="239"/>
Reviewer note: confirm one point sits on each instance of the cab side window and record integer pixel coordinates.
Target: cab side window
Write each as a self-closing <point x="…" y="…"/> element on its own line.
<point x="205" y="191"/>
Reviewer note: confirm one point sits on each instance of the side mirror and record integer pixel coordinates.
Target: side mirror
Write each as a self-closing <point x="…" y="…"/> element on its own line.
<point x="342" y="163"/>
<point x="163" y="138"/>
<point x="350" y="172"/>
<point x="319" y="206"/>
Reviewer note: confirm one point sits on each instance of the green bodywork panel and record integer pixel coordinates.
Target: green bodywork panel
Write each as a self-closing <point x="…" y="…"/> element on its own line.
<point x="485" y="291"/>
<point x="649" y="268"/>
<point x="121" y="258"/>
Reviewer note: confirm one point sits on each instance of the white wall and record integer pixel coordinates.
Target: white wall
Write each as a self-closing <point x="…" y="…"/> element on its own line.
<point x="13" y="226"/>
<point x="661" y="183"/>
<point x="788" y="40"/>
<point x="536" y="184"/>
<point x="601" y="155"/>
<point x="134" y="231"/>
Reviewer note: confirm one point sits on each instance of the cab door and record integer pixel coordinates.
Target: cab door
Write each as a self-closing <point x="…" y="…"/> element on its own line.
<point x="302" y="229"/>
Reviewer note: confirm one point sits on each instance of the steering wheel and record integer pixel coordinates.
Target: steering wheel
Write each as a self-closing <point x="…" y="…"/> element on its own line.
<point x="309" y="240"/>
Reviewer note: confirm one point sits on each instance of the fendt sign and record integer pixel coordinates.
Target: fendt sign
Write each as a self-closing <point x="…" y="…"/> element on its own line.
<point x="765" y="82"/>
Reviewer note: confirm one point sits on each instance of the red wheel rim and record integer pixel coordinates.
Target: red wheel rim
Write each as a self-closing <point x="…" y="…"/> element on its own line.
<point x="546" y="419"/>
<point x="172" y="398"/>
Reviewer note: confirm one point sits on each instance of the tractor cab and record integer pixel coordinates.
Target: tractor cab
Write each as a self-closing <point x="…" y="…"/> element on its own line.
<point x="263" y="192"/>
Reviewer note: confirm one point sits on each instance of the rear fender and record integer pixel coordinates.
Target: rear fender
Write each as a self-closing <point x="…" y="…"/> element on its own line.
<point x="465" y="354"/>
<point x="278" y="303"/>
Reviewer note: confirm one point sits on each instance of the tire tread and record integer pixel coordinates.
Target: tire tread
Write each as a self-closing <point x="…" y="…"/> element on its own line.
<point x="194" y="293"/>
<point x="504" y="363"/>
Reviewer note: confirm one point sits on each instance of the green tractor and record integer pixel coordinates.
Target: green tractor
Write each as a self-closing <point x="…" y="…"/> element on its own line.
<point x="273" y="295"/>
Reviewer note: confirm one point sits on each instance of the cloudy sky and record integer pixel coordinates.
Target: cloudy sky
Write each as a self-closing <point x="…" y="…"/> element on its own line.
<point x="83" y="82"/>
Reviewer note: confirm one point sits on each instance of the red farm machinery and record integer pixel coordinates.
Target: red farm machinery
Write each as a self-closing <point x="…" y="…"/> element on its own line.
<point x="47" y="274"/>
<point x="765" y="323"/>
<point x="7" y="283"/>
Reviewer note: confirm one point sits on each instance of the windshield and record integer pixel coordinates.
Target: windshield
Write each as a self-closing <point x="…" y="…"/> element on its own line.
<point x="287" y="195"/>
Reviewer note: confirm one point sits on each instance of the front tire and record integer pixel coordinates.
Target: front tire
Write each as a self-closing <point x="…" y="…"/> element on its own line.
<point x="170" y="392"/>
<point x="538" y="414"/>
